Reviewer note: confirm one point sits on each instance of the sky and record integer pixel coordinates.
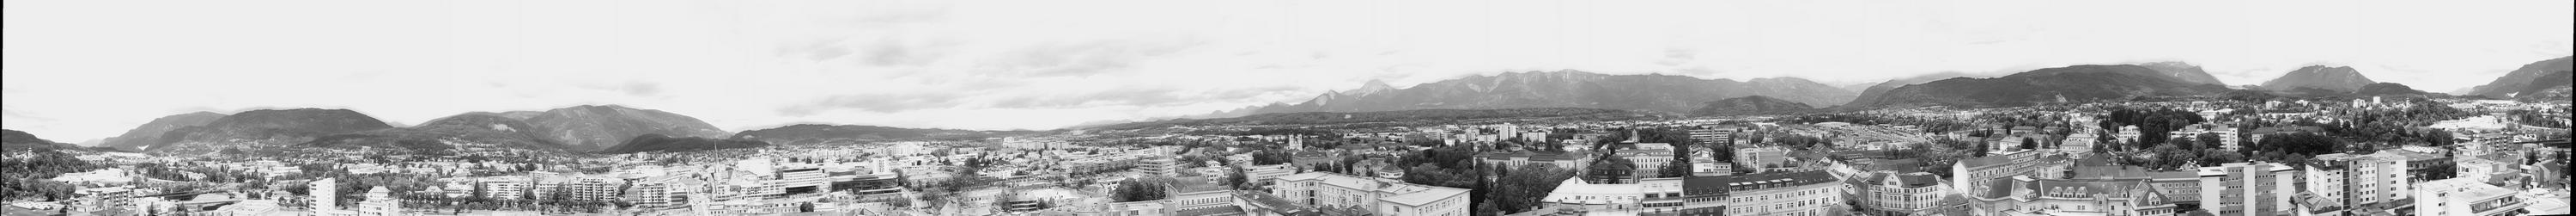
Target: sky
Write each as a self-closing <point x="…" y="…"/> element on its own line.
<point x="86" y="69"/>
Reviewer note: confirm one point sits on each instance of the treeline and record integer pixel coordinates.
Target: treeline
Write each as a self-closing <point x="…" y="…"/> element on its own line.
<point x="2154" y="124"/>
<point x="30" y="173"/>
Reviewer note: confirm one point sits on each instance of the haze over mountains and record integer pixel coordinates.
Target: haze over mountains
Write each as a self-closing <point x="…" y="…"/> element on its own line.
<point x="1651" y="92"/>
<point x="150" y="132"/>
<point x="2072" y="84"/>
<point x="587" y="128"/>
<point x="597" y="128"/>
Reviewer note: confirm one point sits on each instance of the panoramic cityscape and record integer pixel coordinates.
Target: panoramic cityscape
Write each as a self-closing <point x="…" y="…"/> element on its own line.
<point x="1324" y="108"/>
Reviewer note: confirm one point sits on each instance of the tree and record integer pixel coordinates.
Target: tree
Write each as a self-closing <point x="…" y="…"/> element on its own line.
<point x="1141" y="189"/>
<point x="2027" y="143"/>
<point x="1235" y="178"/>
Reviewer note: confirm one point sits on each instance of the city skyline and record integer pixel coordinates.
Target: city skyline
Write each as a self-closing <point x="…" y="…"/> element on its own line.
<point x="88" y="70"/>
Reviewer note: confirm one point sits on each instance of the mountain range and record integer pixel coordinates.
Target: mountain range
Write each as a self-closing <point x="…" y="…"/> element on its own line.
<point x="264" y="127"/>
<point x="660" y="143"/>
<point x="1750" y="105"/>
<point x="2342" y="79"/>
<point x="578" y="128"/>
<point x="440" y="134"/>
<point x="150" y="132"/>
<point x="2530" y="78"/>
<point x="596" y="127"/>
<point x="826" y="134"/>
<point x="14" y="141"/>
<point x="2072" y="83"/>
<point x="1647" y="92"/>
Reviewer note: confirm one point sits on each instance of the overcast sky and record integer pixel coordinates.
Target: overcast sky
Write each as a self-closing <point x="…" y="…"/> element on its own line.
<point x="86" y="69"/>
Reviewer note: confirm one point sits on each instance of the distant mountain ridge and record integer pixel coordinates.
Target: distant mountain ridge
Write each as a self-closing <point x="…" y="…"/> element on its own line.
<point x="2337" y="78"/>
<point x="820" y="133"/>
<point x="150" y="132"/>
<point x="2185" y="72"/>
<point x="1880" y="89"/>
<point x="596" y="127"/>
<point x="1653" y="92"/>
<point x="468" y="128"/>
<point x="1400" y="116"/>
<point x="2071" y="83"/>
<point x="265" y="127"/>
<point x="660" y="143"/>
<point x="1750" y="105"/>
<point x="2530" y="78"/>
<point x="14" y="140"/>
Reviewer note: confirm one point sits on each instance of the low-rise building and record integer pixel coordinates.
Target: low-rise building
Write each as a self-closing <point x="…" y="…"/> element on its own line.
<point x="1381" y="196"/>
<point x="1889" y="193"/>
<point x="1805" y="193"/>
<point x="2465" y="197"/>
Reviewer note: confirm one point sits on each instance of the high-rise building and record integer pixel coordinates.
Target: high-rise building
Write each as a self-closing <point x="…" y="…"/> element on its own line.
<point x="1162" y="165"/>
<point x="2246" y="189"/>
<point x="2347" y="183"/>
<point x="324" y="193"/>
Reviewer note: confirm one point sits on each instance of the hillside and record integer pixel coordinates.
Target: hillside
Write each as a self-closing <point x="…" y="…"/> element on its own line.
<point x="2388" y="89"/>
<point x="660" y="143"/>
<point x="819" y="134"/>
<point x="265" y="127"/>
<point x="14" y="141"/>
<point x="1649" y="92"/>
<point x="2343" y="79"/>
<point x="595" y="127"/>
<point x="1880" y="89"/>
<point x="471" y="129"/>
<point x="2527" y="79"/>
<point x="1405" y="116"/>
<point x="150" y="132"/>
<point x="1750" y="105"/>
<point x="2184" y="72"/>
<point x="2071" y="83"/>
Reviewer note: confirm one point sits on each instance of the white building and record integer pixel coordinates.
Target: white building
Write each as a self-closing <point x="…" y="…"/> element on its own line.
<point x="380" y="202"/>
<point x="2246" y="189"/>
<point x="2346" y="183"/>
<point x="1382" y="196"/>
<point x="2465" y="197"/>
<point x="1808" y="193"/>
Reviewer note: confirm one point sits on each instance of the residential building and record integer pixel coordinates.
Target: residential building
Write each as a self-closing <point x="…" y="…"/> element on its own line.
<point x="1889" y="193"/>
<point x="2423" y="166"/>
<point x="1159" y="166"/>
<point x="2024" y="195"/>
<point x="1603" y="198"/>
<point x="1763" y="159"/>
<point x="1804" y="193"/>
<point x="1716" y="136"/>
<point x="1263" y="174"/>
<point x="2338" y="184"/>
<point x="1661" y="195"/>
<point x="1703" y="196"/>
<point x="1516" y="160"/>
<point x="2466" y="197"/>
<point x="2246" y="189"/>
<point x="1983" y="169"/>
